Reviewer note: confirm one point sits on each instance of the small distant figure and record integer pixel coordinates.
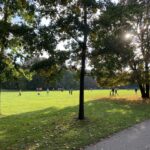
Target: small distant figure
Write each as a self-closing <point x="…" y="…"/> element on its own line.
<point x="70" y="91"/>
<point x="19" y="92"/>
<point x="38" y="91"/>
<point x="47" y="90"/>
<point x="136" y="90"/>
<point x="116" y="91"/>
<point x="112" y="92"/>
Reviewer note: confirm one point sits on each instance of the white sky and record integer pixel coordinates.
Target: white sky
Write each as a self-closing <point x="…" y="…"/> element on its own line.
<point x="115" y="1"/>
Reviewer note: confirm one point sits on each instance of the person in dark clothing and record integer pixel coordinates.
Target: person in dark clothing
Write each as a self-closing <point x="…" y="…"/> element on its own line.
<point x="70" y="91"/>
<point x="136" y="90"/>
<point x="112" y="91"/>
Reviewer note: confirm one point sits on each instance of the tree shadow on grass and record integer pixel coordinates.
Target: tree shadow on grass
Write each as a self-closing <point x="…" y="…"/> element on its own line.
<point x="58" y="129"/>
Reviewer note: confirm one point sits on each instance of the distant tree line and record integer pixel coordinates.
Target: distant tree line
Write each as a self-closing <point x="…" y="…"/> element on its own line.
<point x="68" y="80"/>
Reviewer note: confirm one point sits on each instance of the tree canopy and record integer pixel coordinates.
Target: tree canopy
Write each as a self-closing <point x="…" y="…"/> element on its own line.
<point x="122" y="43"/>
<point x="16" y="25"/>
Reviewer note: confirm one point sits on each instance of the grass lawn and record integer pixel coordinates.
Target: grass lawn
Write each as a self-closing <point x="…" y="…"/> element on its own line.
<point x="48" y="122"/>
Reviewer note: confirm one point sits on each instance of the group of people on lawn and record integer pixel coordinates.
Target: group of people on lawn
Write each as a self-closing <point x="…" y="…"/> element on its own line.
<point x="47" y="90"/>
<point x="113" y="92"/>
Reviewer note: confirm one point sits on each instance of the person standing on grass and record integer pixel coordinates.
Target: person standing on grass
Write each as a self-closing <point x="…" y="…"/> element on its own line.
<point x="19" y="92"/>
<point x="112" y="91"/>
<point x="71" y="91"/>
<point x="38" y="91"/>
<point x="116" y="92"/>
<point x="47" y="90"/>
<point x="62" y="89"/>
<point x="136" y="90"/>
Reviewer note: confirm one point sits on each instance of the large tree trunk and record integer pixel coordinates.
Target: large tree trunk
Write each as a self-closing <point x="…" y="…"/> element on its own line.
<point x="82" y="74"/>
<point x="144" y="91"/>
<point x="81" y="103"/>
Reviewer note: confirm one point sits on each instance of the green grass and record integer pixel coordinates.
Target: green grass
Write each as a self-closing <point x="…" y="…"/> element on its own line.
<point x="48" y="122"/>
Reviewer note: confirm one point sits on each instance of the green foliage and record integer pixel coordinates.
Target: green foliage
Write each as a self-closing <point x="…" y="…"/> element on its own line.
<point x="113" y="53"/>
<point x="52" y="67"/>
<point x="12" y="36"/>
<point x="69" y="23"/>
<point x="48" y="78"/>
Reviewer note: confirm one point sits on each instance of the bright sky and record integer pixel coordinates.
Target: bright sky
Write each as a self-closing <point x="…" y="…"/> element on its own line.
<point x="116" y="1"/>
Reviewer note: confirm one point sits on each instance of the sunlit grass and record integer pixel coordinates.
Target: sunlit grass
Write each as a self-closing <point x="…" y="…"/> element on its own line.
<point x="30" y="101"/>
<point x="49" y="122"/>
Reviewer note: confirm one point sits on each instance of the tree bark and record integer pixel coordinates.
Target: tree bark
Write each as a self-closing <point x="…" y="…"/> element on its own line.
<point x="81" y="103"/>
<point x="146" y="79"/>
<point x="0" y="98"/>
<point x="82" y="74"/>
<point x="147" y="90"/>
<point x="144" y="91"/>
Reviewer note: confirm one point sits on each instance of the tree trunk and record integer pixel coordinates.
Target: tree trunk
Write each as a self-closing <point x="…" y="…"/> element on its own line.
<point x="147" y="79"/>
<point x="82" y="74"/>
<point x="147" y="90"/>
<point x="81" y="105"/>
<point x="0" y="98"/>
<point x="144" y="91"/>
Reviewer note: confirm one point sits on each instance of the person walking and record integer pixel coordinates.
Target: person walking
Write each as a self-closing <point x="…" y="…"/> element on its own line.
<point x="112" y="91"/>
<point x="136" y="90"/>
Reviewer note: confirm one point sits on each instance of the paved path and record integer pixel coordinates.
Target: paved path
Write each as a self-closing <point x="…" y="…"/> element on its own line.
<point x="134" y="138"/>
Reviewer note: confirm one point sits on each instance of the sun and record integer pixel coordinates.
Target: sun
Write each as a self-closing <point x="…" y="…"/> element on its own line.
<point x="128" y="36"/>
